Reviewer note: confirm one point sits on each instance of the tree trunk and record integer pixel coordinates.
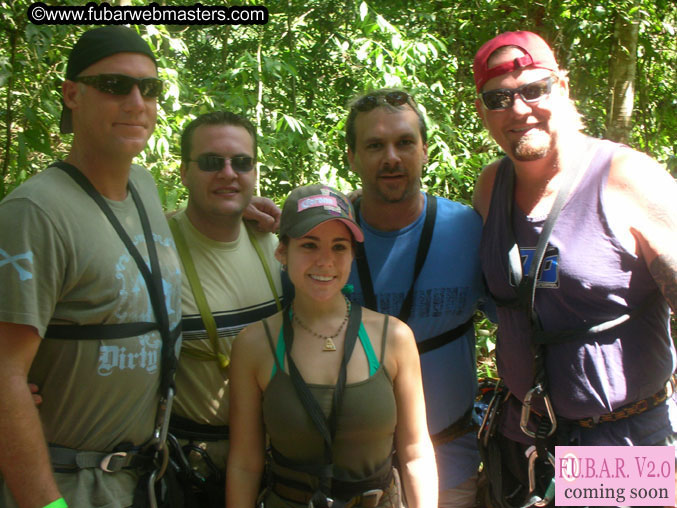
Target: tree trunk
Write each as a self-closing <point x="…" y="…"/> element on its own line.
<point x="623" y="67"/>
<point x="9" y="118"/>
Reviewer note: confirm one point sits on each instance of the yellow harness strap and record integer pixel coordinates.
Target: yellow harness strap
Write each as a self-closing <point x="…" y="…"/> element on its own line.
<point x="222" y="358"/>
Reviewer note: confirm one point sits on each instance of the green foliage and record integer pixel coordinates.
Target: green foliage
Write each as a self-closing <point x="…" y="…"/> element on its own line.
<point x="294" y="76"/>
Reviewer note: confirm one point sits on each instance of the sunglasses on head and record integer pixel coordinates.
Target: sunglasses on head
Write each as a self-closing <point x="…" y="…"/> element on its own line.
<point x="119" y="84"/>
<point x="211" y="163"/>
<point x="504" y="98"/>
<point x="369" y="102"/>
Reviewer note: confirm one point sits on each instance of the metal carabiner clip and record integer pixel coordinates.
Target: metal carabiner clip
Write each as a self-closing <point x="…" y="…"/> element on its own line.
<point x="526" y="411"/>
<point x="158" y="473"/>
<point x="537" y="501"/>
<point x="152" y="500"/>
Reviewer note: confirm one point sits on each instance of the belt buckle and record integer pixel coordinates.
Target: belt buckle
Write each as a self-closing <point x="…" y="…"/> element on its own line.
<point x="105" y="462"/>
<point x="373" y="495"/>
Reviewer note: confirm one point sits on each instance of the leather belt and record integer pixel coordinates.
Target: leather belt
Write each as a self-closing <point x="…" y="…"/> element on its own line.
<point x="633" y="409"/>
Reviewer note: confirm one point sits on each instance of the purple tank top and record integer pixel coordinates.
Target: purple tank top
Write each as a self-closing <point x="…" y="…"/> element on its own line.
<point x="587" y="278"/>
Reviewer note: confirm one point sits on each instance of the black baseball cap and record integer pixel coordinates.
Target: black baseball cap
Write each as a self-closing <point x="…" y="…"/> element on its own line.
<point x="309" y="206"/>
<point x="94" y="45"/>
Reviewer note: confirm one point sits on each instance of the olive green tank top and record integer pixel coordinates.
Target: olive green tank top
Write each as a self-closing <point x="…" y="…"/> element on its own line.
<point x="363" y="443"/>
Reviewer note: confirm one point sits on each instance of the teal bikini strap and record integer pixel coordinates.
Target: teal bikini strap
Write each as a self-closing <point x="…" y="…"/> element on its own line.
<point x="276" y="354"/>
<point x="362" y="335"/>
<point x="368" y="350"/>
<point x="279" y="352"/>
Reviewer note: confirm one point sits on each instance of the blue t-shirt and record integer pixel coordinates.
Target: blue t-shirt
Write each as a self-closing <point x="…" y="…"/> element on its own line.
<point x="447" y="293"/>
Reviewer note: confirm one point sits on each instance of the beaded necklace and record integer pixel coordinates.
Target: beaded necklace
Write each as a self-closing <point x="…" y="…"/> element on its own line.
<point x="328" y="339"/>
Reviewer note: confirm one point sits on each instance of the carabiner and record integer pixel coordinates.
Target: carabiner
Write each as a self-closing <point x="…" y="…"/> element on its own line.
<point x="165" y="460"/>
<point x="152" y="500"/>
<point x="550" y="491"/>
<point x="526" y="411"/>
<point x="162" y="418"/>
<point x="157" y="474"/>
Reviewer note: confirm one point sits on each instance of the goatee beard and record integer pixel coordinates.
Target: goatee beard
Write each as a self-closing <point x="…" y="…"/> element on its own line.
<point x="531" y="147"/>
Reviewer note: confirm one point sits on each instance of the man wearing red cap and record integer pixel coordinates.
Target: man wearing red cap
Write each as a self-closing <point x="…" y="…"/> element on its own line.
<point x="578" y="252"/>
<point x="89" y="295"/>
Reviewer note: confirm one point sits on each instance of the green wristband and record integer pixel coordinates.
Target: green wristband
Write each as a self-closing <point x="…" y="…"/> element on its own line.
<point x="59" y="503"/>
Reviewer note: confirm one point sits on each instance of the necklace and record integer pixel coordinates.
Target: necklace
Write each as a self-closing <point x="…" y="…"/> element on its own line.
<point x="328" y="339"/>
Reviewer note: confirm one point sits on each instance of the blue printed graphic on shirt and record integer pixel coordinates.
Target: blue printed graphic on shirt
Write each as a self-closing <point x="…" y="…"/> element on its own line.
<point x="146" y="354"/>
<point x="549" y="274"/>
<point x="13" y="261"/>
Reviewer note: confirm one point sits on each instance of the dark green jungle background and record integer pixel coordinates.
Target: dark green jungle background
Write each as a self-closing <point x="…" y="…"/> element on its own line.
<point x="294" y="76"/>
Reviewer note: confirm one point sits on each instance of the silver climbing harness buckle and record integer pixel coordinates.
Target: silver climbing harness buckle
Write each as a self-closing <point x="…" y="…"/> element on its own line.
<point x="526" y="411"/>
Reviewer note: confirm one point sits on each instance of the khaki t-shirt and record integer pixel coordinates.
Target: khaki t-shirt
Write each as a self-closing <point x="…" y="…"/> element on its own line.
<point x="68" y="266"/>
<point x="238" y="294"/>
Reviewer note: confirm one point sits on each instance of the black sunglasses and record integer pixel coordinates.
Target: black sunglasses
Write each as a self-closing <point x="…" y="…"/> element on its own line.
<point x="504" y="98"/>
<point x="211" y="163"/>
<point x="119" y="84"/>
<point x="369" y="102"/>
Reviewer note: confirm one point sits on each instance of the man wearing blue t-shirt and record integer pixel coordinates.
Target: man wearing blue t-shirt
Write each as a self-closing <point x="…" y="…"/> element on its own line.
<point x="387" y="148"/>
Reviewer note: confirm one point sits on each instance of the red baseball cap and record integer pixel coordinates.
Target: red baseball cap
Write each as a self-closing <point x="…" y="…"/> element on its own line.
<point x="537" y="54"/>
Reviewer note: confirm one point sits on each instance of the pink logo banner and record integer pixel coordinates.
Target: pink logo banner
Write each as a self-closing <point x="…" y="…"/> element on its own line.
<point x="615" y="475"/>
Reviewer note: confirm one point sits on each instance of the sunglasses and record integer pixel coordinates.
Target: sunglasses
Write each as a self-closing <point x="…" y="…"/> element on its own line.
<point x="212" y="163"/>
<point x="369" y="102"/>
<point x="119" y="84"/>
<point x="504" y="98"/>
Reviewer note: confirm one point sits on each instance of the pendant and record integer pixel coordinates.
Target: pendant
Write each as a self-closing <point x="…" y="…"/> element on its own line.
<point x="329" y="345"/>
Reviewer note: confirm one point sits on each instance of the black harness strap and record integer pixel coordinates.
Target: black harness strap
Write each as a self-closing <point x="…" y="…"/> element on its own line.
<point x="444" y="338"/>
<point x="421" y="254"/>
<point x="185" y="428"/>
<point x="152" y="278"/>
<point x="327" y="428"/>
<point x="96" y="332"/>
<point x="363" y="268"/>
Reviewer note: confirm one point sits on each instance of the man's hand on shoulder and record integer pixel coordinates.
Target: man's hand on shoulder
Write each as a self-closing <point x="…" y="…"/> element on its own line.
<point x="354" y="195"/>
<point x="264" y="213"/>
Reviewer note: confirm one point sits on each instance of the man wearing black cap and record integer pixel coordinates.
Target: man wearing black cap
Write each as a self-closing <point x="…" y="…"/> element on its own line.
<point x="89" y="294"/>
<point x="578" y="250"/>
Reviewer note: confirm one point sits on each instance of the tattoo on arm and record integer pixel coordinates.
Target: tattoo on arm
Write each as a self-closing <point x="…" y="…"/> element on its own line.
<point x="664" y="271"/>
